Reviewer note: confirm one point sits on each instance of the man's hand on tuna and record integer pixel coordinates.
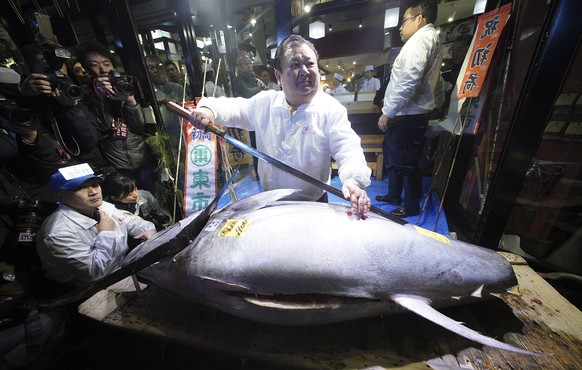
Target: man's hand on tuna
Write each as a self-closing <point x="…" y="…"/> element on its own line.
<point x="201" y="117"/>
<point x="357" y="197"/>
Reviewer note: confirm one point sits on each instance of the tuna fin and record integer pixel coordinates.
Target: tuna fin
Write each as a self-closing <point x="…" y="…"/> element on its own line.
<point x="263" y="199"/>
<point x="421" y="306"/>
<point x="514" y="290"/>
<point x="478" y="292"/>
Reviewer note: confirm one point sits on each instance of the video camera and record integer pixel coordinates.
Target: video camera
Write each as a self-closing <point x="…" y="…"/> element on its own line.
<point x="49" y="62"/>
<point x="121" y="83"/>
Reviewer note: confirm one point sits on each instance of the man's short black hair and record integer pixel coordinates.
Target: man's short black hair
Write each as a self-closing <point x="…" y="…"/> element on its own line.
<point x="428" y="8"/>
<point x="154" y="58"/>
<point x="168" y="63"/>
<point x="92" y="47"/>
<point x="286" y="45"/>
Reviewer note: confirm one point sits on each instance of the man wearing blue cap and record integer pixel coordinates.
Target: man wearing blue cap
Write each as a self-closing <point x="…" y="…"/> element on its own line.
<point x="85" y="239"/>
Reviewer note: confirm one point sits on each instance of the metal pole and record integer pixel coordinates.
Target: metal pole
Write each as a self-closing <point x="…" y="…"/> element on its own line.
<point x="452" y="164"/>
<point x="433" y="180"/>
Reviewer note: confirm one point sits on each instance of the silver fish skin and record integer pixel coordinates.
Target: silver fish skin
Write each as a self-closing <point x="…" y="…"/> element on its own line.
<point x="305" y="263"/>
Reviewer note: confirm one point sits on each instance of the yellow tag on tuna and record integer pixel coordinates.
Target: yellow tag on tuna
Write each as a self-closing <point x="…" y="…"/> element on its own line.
<point x="432" y="235"/>
<point x="234" y="228"/>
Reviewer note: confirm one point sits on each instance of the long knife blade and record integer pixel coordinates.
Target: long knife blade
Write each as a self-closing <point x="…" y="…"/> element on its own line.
<point x="184" y="113"/>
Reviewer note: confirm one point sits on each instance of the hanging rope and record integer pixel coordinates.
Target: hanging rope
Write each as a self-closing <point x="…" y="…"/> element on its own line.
<point x="216" y="77"/>
<point x="204" y="78"/>
<point x="176" y="177"/>
<point x="224" y="162"/>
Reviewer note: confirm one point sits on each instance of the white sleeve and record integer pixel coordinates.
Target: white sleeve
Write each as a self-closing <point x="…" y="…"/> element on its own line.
<point x="345" y="148"/>
<point x="233" y="112"/>
<point x="85" y="263"/>
<point x="406" y="75"/>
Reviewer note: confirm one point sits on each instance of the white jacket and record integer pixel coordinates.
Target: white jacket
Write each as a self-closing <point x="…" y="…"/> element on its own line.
<point x="373" y="84"/>
<point x="304" y="140"/>
<point x="72" y="251"/>
<point x="412" y="81"/>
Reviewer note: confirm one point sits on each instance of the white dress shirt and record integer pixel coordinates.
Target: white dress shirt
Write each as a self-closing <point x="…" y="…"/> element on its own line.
<point x="304" y="138"/>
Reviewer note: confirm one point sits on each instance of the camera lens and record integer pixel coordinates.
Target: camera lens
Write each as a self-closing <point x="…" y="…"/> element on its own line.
<point x="72" y="92"/>
<point x="21" y="117"/>
<point x="125" y="88"/>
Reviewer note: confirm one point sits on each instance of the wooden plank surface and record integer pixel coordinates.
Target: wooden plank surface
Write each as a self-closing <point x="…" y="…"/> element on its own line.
<point x="539" y="319"/>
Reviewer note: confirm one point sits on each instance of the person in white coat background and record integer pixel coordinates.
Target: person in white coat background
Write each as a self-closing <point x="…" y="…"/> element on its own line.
<point x="408" y="100"/>
<point x="370" y="83"/>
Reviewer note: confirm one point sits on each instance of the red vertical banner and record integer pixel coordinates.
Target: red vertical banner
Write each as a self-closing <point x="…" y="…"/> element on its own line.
<point x="485" y="41"/>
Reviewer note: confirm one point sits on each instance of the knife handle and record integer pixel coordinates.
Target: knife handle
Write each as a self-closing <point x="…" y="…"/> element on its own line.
<point x="184" y="113"/>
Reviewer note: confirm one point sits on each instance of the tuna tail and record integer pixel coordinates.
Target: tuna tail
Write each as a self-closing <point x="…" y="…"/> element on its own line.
<point x="421" y="306"/>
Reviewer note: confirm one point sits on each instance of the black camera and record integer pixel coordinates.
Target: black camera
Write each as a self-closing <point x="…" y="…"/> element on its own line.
<point x="121" y="83"/>
<point x="49" y="60"/>
<point x="15" y="119"/>
<point x="65" y="85"/>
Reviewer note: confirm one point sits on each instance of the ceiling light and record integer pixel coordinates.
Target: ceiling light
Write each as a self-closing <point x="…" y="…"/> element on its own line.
<point x="453" y="14"/>
<point x="317" y="30"/>
<point x="391" y="17"/>
<point x="253" y="21"/>
<point x="330" y="28"/>
<point x="360" y="25"/>
<point x="479" y="6"/>
<point x="307" y="8"/>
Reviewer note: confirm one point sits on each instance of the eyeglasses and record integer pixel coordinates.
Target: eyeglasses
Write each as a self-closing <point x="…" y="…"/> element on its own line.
<point x="407" y="19"/>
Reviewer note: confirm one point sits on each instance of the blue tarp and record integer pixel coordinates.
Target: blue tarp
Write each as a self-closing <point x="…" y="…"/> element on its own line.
<point x="246" y="186"/>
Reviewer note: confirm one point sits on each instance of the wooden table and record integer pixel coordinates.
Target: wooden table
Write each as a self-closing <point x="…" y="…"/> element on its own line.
<point x="371" y="144"/>
<point x="540" y="319"/>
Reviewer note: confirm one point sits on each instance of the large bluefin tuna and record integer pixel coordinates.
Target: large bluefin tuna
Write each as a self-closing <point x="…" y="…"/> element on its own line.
<point x="303" y="263"/>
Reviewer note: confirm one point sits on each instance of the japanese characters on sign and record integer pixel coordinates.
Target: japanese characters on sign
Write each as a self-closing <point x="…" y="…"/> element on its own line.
<point x="200" y="168"/>
<point x="485" y="41"/>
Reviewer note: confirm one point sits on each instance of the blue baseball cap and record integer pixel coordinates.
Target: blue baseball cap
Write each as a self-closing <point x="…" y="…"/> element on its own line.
<point x="71" y="178"/>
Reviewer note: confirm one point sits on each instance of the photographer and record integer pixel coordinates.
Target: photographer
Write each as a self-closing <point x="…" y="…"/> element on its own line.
<point x="71" y="123"/>
<point x="122" y="122"/>
<point x="37" y="155"/>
